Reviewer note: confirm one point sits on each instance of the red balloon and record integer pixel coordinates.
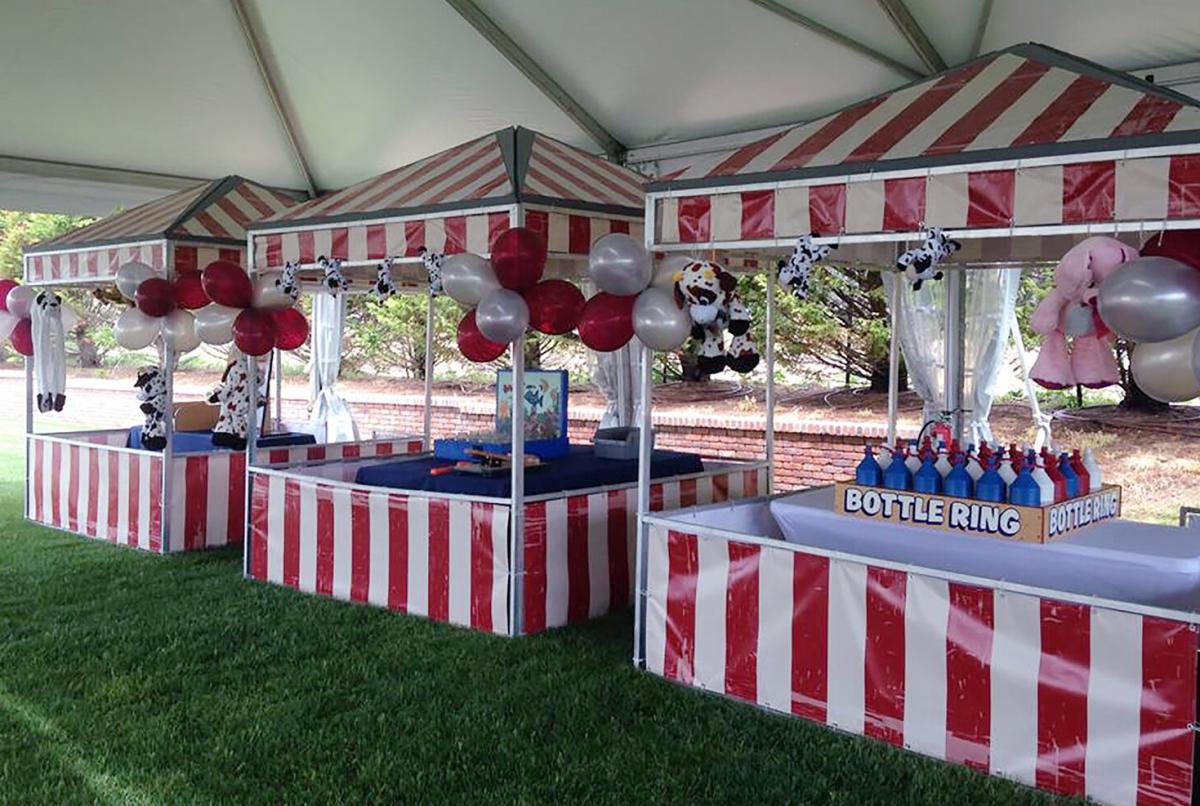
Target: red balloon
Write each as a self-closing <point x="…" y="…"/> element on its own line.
<point x="189" y="291"/>
<point x="474" y="345"/>
<point x="6" y="285"/>
<point x="518" y="258"/>
<point x="155" y="297"/>
<point x="291" y="328"/>
<point x="226" y="284"/>
<point x="1178" y="244"/>
<point x="554" y="307"/>
<point x="607" y="322"/>
<point x="254" y="331"/>
<point x="22" y="337"/>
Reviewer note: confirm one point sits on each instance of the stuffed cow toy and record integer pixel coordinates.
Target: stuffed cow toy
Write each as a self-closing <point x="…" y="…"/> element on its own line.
<point x="794" y="272"/>
<point x="151" y="387"/>
<point x="232" y="394"/>
<point x="920" y="263"/>
<point x="709" y="294"/>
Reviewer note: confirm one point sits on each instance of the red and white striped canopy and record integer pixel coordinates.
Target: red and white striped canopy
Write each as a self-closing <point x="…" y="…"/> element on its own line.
<point x="1028" y="136"/>
<point x="459" y="200"/>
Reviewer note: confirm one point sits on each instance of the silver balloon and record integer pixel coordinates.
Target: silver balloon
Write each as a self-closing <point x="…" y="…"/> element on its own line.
<point x="659" y="323"/>
<point x="664" y="273"/>
<point x="468" y="278"/>
<point x="20" y="300"/>
<point x="1196" y="358"/>
<point x="268" y="295"/>
<point x="214" y="323"/>
<point x="179" y="331"/>
<point x="1164" y="370"/>
<point x="620" y="265"/>
<point x="130" y="275"/>
<point x="502" y="316"/>
<point x="1151" y="299"/>
<point x="134" y="330"/>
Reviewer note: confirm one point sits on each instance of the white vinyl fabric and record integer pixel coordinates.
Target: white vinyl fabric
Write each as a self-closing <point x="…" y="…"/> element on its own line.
<point x="617" y="375"/>
<point x="331" y="419"/>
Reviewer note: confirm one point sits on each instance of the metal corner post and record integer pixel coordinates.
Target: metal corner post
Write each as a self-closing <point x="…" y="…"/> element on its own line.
<point x="769" y="415"/>
<point x="893" y="360"/>
<point x="251" y="430"/>
<point x="956" y="293"/>
<point x="168" y="453"/>
<point x="427" y="423"/>
<point x="517" y="520"/>
<point x="645" y="435"/>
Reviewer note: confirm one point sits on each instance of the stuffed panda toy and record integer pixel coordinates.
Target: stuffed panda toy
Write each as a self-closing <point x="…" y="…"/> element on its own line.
<point x="232" y="394"/>
<point x="288" y="281"/>
<point x="334" y="281"/>
<point x="920" y="264"/>
<point x="49" y="351"/>
<point x="794" y="272"/>
<point x="151" y="388"/>
<point x="384" y="286"/>
<point x="433" y="267"/>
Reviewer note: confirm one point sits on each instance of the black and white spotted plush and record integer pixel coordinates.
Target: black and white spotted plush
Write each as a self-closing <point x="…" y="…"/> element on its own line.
<point x="49" y="351"/>
<point x="920" y="263"/>
<point x="433" y="267"/>
<point x="335" y="281"/>
<point x="794" y="272"/>
<point x="151" y="388"/>
<point x="739" y="319"/>
<point x="742" y="354"/>
<point x="384" y="286"/>
<point x="289" y="282"/>
<point x="233" y="396"/>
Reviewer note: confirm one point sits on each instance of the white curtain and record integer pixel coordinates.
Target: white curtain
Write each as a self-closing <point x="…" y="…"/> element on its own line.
<point x="331" y="420"/>
<point x="618" y="377"/>
<point x="991" y="295"/>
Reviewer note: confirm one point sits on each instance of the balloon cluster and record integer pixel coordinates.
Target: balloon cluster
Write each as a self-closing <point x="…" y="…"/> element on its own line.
<point x="507" y="295"/>
<point x="256" y="315"/>
<point x="1154" y="300"/>
<point x="16" y="307"/>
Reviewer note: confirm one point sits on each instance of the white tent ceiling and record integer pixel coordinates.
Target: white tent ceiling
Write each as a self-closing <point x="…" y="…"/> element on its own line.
<point x="173" y="88"/>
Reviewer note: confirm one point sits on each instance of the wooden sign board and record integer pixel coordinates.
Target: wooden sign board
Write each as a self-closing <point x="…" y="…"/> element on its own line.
<point x="984" y="518"/>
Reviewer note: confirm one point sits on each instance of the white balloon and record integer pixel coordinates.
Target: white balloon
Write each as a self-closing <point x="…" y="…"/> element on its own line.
<point x="130" y="275"/>
<point x="134" y="330"/>
<point x="268" y="295"/>
<point x="179" y="330"/>
<point x="664" y="274"/>
<point x="659" y="323"/>
<point x="619" y="265"/>
<point x="502" y="316"/>
<point x="214" y="323"/>
<point x="468" y="278"/>
<point x="7" y="323"/>
<point x="20" y="300"/>
<point x="1163" y="369"/>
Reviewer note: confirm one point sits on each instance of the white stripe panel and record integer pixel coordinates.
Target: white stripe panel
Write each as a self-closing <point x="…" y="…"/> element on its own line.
<point x="557" y="584"/>
<point x="1114" y="707"/>
<point x="460" y="563"/>
<point x="598" y="554"/>
<point x="864" y="207"/>
<point x="322" y="242"/>
<point x="342" y="542"/>
<point x="1016" y="658"/>
<point x="658" y="570"/>
<point x="394" y="238"/>
<point x="178" y="508"/>
<point x="1037" y="198"/>
<point x="143" y="503"/>
<point x="418" y="556"/>
<point x="64" y="487"/>
<point x="712" y="588"/>
<point x="1104" y="115"/>
<point x="670" y="495"/>
<point x="847" y="645"/>
<point x="775" y="608"/>
<point x="737" y="487"/>
<point x="48" y="475"/>
<point x="726" y="216"/>
<point x="380" y="549"/>
<point x="868" y="124"/>
<point x="558" y="236"/>
<point x="435" y="235"/>
<point x="216" y="515"/>
<point x="772" y="154"/>
<point x="308" y="537"/>
<point x="356" y="243"/>
<point x="102" y="489"/>
<point x="123" y="498"/>
<point x="946" y="200"/>
<point x="1142" y="189"/>
<point x="667" y="220"/>
<point x="85" y="483"/>
<point x="926" y="619"/>
<point x="1016" y="118"/>
<point x="704" y="490"/>
<point x="1185" y="119"/>
<point x="477" y="234"/>
<point x="276" y="505"/>
<point x="500" y="569"/>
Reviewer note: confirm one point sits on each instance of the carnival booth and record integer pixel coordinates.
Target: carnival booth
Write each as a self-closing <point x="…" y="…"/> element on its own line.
<point x="1051" y="643"/>
<point x="495" y="548"/>
<point x="151" y="486"/>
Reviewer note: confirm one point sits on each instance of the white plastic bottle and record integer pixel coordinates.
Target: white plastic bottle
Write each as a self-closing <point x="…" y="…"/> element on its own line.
<point x="1045" y="485"/>
<point x="913" y="462"/>
<point x="1093" y="469"/>
<point x="883" y="456"/>
<point x="1006" y="471"/>
<point x="943" y="464"/>
<point x="974" y="466"/>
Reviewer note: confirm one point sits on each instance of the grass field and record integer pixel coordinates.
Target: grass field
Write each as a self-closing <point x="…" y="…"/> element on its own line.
<point x="127" y="678"/>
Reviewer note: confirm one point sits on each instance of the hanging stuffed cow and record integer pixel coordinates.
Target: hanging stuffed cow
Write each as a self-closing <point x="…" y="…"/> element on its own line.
<point x="232" y="394"/>
<point x="794" y="272"/>
<point x="709" y="294"/>
<point x="49" y="351"/>
<point x="151" y="388"/>
<point x="920" y="263"/>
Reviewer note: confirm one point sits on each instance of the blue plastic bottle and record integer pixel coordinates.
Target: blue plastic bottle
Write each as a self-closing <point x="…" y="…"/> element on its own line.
<point x="1069" y="474"/>
<point x="868" y="473"/>
<point x="990" y="486"/>
<point x="1024" y="491"/>
<point x="958" y="481"/>
<point x="898" y="476"/>
<point x="928" y="479"/>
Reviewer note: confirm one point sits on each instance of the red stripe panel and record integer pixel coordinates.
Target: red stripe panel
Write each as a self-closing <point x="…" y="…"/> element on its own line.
<point x="1168" y="708"/>
<point x="618" y="550"/>
<point x="969" y="675"/>
<point x="414" y="237"/>
<point x="324" y="540"/>
<point x="683" y="558"/>
<point x="93" y="264"/>
<point x="73" y="489"/>
<point x="539" y="222"/>
<point x="482" y="563"/>
<point x="186" y="258"/>
<point x="838" y="125"/>
<point x="656" y="497"/>
<point x="720" y="488"/>
<point x="827" y="209"/>
<point x="383" y="449"/>
<point x="195" y="501"/>
<point x="578" y="585"/>
<point x="695" y="221"/>
<point x="114" y="492"/>
<point x="1151" y="114"/>
<point x="1184" y="182"/>
<point x="535" y="568"/>
<point x="92" y="527"/>
<point x="376" y="242"/>
<point x="274" y="250"/>
<point x="259" y="508"/>
<point x="810" y="636"/>
<point x="497" y="223"/>
<point x="398" y="552"/>
<point x="579" y="234"/>
<point x="234" y="256"/>
<point x="351" y="451"/>
<point x="291" y="533"/>
<point x="743" y="156"/>
<point x="135" y="483"/>
<point x="1089" y="192"/>
<point x="56" y="469"/>
<point x="1063" y="111"/>
<point x="884" y="702"/>
<point x="156" y="503"/>
<point x="360" y="546"/>
<point x="990" y="107"/>
<point x="308" y="247"/>
<point x="758" y="214"/>
<point x="741" y="622"/>
<point x="617" y="225"/>
<point x="749" y="483"/>
<point x="339" y="243"/>
<point x="687" y="493"/>
<point x="439" y="559"/>
<point x="456" y="235"/>
<point x="903" y="203"/>
<point x="277" y="456"/>
<point x="1062" y="696"/>
<point x="990" y="198"/>
<point x="235" y="516"/>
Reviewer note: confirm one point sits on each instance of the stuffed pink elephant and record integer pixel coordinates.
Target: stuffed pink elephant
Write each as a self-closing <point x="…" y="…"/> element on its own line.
<point x="1069" y="310"/>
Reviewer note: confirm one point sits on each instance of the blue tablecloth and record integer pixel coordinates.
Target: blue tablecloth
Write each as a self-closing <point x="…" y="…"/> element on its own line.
<point x="201" y="441"/>
<point x="579" y="470"/>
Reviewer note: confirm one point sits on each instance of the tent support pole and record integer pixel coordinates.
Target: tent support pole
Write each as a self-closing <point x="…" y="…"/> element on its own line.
<point x="168" y="453"/>
<point x="427" y="421"/>
<point x="1041" y="422"/>
<point x="251" y="423"/>
<point x="645" y="435"/>
<point x="277" y="363"/>
<point x="893" y="361"/>
<point x="517" y="521"/>
<point x="769" y="416"/>
<point x="956" y="289"/>
<point x="28" y="429"/>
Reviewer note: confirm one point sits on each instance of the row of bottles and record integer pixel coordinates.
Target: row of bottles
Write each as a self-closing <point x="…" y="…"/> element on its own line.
<point x="1023" y="478"/>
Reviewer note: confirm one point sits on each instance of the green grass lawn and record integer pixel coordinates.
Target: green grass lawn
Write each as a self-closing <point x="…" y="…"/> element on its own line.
<point x="127" y="678"/>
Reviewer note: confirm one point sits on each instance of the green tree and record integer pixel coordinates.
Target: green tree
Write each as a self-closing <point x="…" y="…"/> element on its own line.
<point x="391" y="334"/>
